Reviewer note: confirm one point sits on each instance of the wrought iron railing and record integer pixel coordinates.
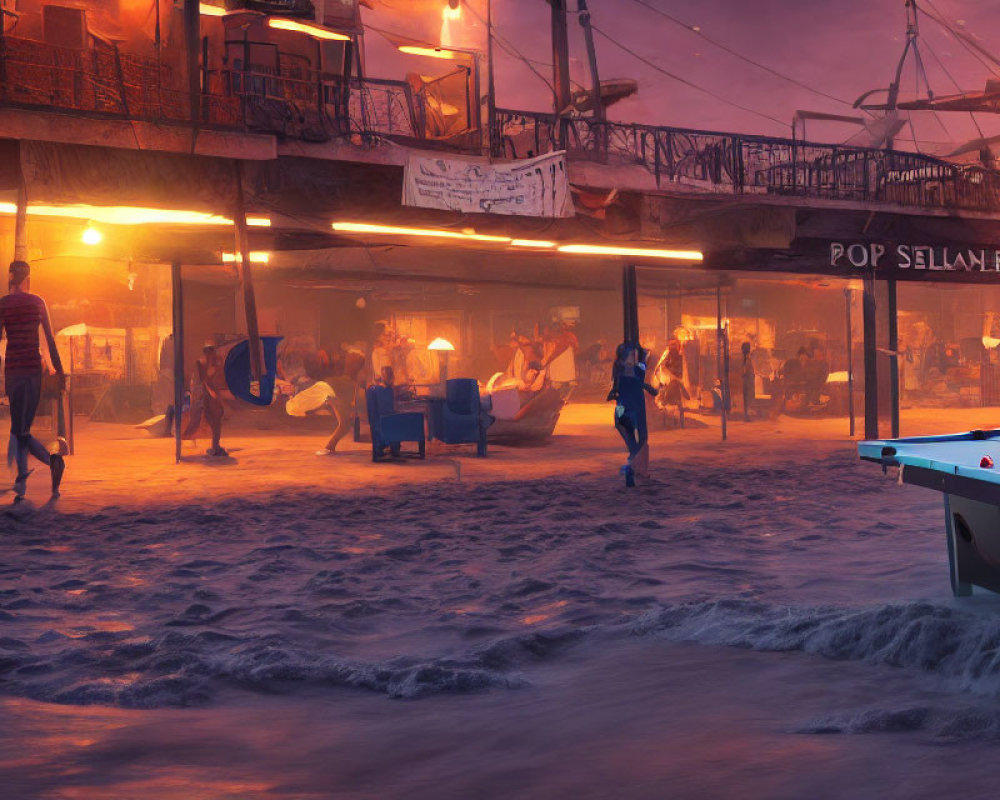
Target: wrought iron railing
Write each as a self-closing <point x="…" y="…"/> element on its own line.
<point x="703" y="161"/>
<point x="294" y="101"/>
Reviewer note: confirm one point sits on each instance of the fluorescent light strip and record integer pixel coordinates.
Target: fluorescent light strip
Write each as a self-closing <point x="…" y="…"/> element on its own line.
<point x="392" y="230"/>
<point x="535" y="243"/>
<point x="211" y="11"/>
<point x="637" y="252"/>
<point x="428" y="52"/>
<point x="256" y="257"/>
<point x="301" y="27"/>
<point x="130" y="215"/>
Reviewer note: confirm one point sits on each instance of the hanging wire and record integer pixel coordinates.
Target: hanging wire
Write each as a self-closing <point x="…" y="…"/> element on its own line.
<point x="737" y="54"/>
<point x="685" y="81"/>
<point x="976" y="49"/>
<point x="512" y="50"/>
<point x="948" y="74"/>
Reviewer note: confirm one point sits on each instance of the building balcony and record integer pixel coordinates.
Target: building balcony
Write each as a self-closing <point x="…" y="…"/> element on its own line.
<point x="291" y="100"/>
<point x="702" y="162"/>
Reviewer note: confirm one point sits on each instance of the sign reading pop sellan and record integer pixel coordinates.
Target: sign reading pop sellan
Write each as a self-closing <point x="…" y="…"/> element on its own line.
<point x="538" y="187"/>
<point x="891" y="257"/>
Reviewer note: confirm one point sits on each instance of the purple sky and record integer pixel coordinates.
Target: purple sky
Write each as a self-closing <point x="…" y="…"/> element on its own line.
<point x="843" y="47"/>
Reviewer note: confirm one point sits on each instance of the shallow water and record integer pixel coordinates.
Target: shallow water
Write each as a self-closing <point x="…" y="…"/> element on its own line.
<point x="746" y="630"/>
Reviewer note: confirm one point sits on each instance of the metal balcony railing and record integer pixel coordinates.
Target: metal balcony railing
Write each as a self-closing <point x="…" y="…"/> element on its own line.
<point x="703" y="161"/>
<point x="295" y="101"/>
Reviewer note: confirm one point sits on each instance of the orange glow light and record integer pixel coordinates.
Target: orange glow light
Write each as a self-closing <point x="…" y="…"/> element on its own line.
<point x="130" y="215"/>
<point x="302" y="27"/>
<point x="440" y="344"/>
<point x="211" y="11"/>
<point x="390" y="230"/>
<point x="637" y="252"/>
<point x="256" y="257"/>
<point x="429" y="52"/>
<point x="536" y="243"/>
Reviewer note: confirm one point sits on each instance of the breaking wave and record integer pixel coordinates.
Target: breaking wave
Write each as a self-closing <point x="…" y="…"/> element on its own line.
<point x="959" y="647"/>
<point x="180" y="670"/>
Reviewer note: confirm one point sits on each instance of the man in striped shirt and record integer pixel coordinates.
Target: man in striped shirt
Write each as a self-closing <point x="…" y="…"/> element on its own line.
<point x="21" y="315"/>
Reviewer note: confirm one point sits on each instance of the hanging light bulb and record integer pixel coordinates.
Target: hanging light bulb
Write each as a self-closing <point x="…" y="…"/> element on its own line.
<point x="92" y="236"/>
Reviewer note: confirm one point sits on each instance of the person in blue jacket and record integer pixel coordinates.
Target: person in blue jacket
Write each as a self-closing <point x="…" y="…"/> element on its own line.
<point x="628" y="377"/>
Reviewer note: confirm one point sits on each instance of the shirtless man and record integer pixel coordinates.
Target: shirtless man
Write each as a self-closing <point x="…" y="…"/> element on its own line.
<point x="21" y="315"/>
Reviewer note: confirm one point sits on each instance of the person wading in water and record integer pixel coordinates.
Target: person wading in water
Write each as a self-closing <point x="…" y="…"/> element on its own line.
<point x="21" y="315"/>
<point x="628" y="383"/>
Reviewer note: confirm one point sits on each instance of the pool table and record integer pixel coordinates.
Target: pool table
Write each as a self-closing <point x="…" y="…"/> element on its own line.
<point x="965" y="468"/>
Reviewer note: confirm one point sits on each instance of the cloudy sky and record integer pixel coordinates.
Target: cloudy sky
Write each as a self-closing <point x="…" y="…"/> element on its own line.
<point x="840" y="47"/>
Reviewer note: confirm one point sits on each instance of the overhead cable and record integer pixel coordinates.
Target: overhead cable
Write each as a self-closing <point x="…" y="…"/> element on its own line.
<point x="693" y="29"/>
<point x="956" y="85"/>
<point x="685" y="81"/>
<point x="963" y="38"/>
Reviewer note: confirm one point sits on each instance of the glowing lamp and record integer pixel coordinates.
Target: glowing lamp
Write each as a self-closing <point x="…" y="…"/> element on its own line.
<point x="209" y="10"/>
<point x="441" y="345"/>
<point x="315" y="31"/>
<point x="92" y="237"/>
<point x="427" y="51"/>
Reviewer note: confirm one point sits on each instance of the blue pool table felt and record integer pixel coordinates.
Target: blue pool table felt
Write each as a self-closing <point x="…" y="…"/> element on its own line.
<point x="955" y="454"/>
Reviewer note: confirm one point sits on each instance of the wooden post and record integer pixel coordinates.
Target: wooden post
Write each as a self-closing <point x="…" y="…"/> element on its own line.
<point x="630" y="305"/>
<point x="491" y="92"/>
<point x="192" y="43"/>
<point x="21" y="222"/>
<point x="893" y="358"/>
<point x="849" y="296"/>
<point x="560" y="66"/>
<point x="246" y="276"/>
<point x="721" y="359"/>
<point x="595" y="77"/>
<point x="69" y="395"/>
<point x="871" y="354"/>
<point x="178" y="320"/>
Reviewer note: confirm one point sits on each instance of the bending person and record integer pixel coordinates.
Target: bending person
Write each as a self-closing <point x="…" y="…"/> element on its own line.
<point x="207" y="388"/>
<point x="21" y="315"/>
<point x="628" y="383"/>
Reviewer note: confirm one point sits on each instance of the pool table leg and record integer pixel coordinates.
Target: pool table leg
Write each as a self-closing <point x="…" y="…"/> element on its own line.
<point x="959" y="587"/>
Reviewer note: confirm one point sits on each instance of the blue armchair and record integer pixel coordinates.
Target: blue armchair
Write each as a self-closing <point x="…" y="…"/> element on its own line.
<point x="388" y="428"/>
<point x="459" y="418"/>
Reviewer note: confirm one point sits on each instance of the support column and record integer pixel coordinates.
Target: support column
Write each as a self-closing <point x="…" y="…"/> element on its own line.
<point x="871" y="353"/>
<point x="192" y="44"/>
<point x="595" y="78"/>
<point x="21" y="218"/>
<point x="178" y="322"/>
<point x="630" y="304"/>
<point x="560" y="65"/>
<point x="243" y="268"/>
<point x="722" y="361"/>
<point x="893" y="358"/>
<point x="849" y="297"/>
